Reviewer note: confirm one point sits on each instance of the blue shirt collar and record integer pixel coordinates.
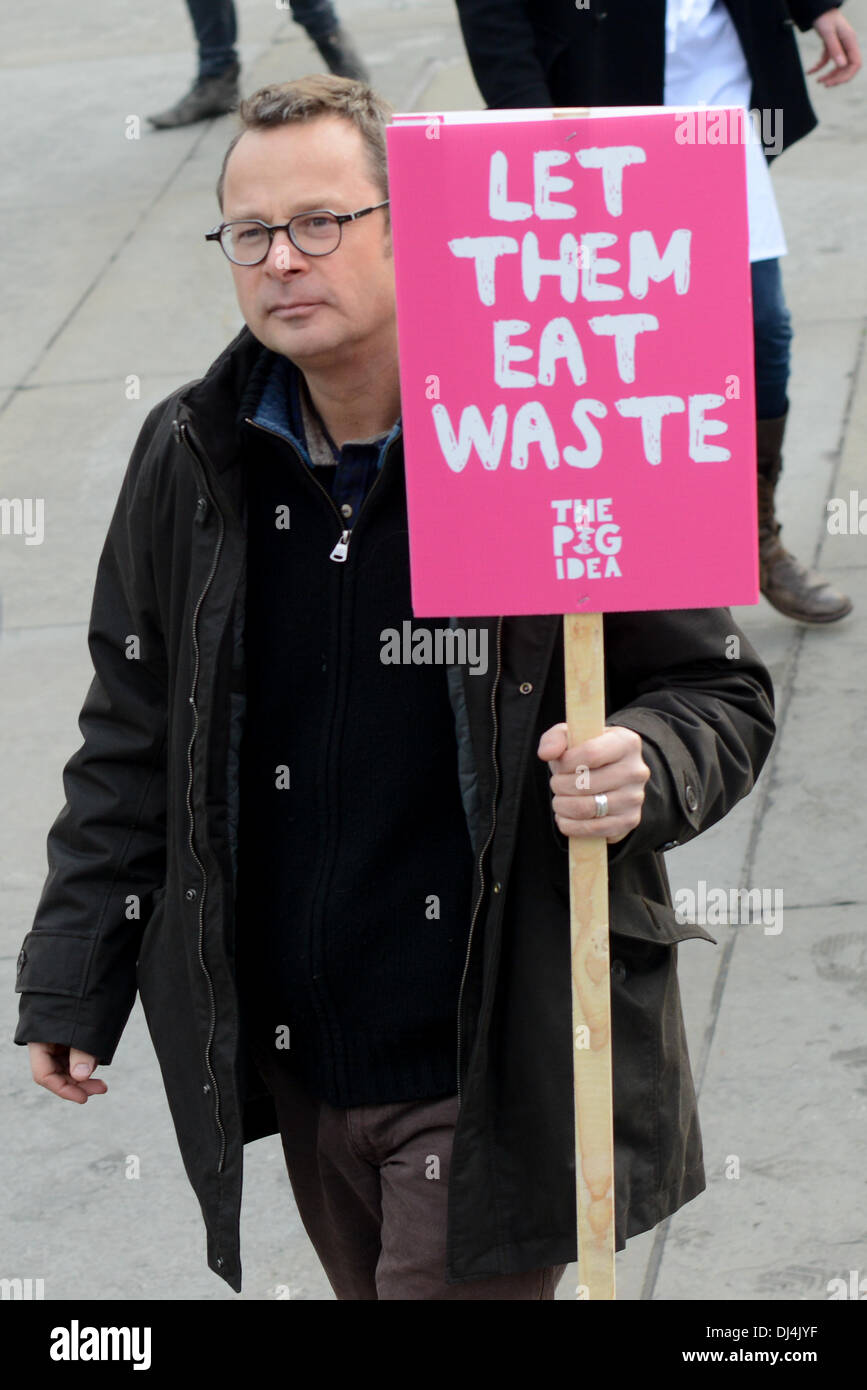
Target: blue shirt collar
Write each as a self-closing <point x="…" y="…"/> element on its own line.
<point x="279" y="408"/>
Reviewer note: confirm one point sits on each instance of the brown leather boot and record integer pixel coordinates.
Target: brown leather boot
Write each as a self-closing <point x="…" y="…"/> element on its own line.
<point x="797" y="592"/>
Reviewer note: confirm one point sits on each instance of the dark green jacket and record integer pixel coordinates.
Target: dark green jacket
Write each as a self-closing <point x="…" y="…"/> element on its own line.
<point x="151" y="815"/>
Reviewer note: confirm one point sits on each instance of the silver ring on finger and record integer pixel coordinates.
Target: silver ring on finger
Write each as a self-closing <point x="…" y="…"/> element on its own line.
<point x="601" y="805"/>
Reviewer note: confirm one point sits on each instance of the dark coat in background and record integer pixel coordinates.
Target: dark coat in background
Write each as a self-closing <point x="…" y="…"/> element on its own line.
<point x="529" y="53"/>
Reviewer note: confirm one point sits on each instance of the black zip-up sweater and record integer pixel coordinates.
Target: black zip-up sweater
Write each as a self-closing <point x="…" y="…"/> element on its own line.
<point x="355" y="864"/>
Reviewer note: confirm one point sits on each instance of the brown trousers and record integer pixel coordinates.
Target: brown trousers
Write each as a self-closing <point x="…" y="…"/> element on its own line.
<point x="371" y="1186"/>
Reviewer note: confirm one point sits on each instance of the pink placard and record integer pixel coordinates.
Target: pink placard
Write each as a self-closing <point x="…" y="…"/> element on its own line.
<point x="576" y="359"/>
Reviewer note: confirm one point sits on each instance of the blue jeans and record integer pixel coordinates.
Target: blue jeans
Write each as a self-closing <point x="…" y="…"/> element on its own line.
<point x="318" y="17"/>
<point x="772" y="335"/>
<point x="216" y="28"/>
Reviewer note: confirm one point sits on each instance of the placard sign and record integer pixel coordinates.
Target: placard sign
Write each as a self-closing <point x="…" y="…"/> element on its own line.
<point x="576" y="357"/>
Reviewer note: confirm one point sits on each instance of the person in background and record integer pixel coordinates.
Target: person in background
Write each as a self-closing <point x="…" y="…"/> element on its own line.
<point x="692" y="53"/>
<point x="215" y="90"/>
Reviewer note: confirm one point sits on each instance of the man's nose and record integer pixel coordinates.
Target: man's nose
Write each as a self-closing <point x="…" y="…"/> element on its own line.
<point x="283" y="254"/>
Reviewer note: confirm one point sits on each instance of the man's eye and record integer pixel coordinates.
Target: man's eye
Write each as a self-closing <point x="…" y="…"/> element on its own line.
<point x="248" y="233"/>
<point x="317" y="223"/>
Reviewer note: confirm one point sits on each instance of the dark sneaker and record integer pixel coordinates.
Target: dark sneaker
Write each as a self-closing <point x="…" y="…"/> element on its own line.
<point x="339" y="53"/>
<point x="209" y="96"/>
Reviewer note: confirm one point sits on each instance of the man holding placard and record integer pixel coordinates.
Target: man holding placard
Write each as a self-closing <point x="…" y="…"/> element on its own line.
<point x="351" y="854"/>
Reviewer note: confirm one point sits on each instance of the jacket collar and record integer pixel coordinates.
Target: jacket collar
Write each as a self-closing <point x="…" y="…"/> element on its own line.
<point x="212" y="403"/>
<point x="247" y="381"/>
<point x="276" y="399"/>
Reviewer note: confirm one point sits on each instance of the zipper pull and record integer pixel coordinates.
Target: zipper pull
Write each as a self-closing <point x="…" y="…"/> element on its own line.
<point x="340" y="549"/>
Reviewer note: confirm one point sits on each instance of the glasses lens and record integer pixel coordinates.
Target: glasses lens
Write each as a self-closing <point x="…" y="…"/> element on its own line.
<point x="316" y="232"/>
<point x="245" y="242"/>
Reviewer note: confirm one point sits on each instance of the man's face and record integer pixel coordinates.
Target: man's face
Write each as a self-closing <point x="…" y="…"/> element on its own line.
<point x="318" y="310"/>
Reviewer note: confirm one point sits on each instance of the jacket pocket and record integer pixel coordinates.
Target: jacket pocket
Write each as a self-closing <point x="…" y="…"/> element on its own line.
<point x="644" y="939"/>
<point x="658" y="923"/>
<point x="54" y="962"/>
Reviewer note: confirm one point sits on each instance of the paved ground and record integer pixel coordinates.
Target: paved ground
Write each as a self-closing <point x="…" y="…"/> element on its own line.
<point x="111" y="299"/>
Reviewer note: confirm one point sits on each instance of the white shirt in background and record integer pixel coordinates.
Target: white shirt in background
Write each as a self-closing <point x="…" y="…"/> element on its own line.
<point x="705" y="66"/>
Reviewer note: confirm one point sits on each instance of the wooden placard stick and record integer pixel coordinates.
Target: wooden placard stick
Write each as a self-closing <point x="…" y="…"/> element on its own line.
<point x="591" y="988"/>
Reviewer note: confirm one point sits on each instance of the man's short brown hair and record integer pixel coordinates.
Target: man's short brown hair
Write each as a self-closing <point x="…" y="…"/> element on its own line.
<point x="321" y="94"/>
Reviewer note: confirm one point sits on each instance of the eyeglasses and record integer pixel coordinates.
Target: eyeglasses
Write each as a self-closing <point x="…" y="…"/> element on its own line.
<point x="316" y="233"/>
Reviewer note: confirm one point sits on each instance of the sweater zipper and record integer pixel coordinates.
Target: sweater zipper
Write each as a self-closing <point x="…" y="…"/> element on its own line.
<point x="341" y="548"/>
<point x="339" y="553"/>
<point x="186" y="435"/>
<point x="486" y="844"/>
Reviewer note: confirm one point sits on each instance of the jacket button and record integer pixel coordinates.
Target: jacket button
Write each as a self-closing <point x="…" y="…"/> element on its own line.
<point x="206" y="1088"/>
<point x="190" y="894"/>
<point x="22" y="959"/>
<point x="691" y="798"/>
<point x="498" y="887"/>
<point x="219" y="1261"/>
<point x="525" y="687"/>
<point x="618" y="970"/>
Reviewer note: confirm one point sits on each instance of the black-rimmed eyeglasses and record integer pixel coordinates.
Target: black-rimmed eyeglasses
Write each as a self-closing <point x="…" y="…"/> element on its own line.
<point x="315" y="233"/>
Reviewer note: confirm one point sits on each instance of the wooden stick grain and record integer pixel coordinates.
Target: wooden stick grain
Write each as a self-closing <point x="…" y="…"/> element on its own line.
<point x="591" y="988"/>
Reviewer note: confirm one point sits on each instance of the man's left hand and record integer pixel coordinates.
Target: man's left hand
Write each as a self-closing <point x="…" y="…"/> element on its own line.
<point x="840" y="48"/>
<point x="611" y="764"/>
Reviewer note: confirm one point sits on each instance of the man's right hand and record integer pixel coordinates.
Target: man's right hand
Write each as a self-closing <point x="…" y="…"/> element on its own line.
<point x="57" y="1068"/>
